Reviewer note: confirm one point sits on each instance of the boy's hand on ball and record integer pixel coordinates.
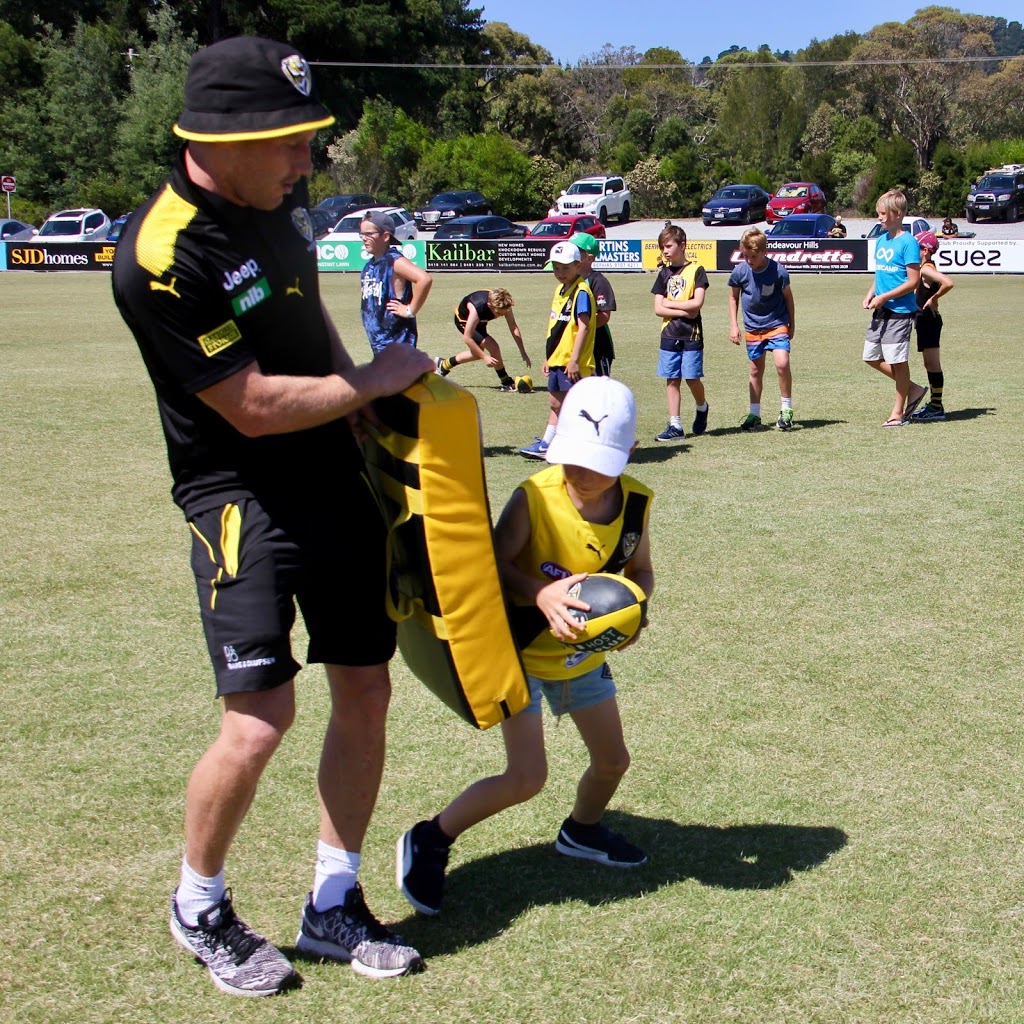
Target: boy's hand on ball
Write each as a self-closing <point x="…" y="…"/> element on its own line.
<point x="558" y="604"/>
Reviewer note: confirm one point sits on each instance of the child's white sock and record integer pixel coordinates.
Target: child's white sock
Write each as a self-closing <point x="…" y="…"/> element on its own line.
<point x="197" y="893"/>
<point x="787" y="403"/>
<point x="549" y="435"/>
<point x="702" y="408"/>
<point x="755" y="408"/>
<point x="675" y="421"/>
<point x="336" y="873"/>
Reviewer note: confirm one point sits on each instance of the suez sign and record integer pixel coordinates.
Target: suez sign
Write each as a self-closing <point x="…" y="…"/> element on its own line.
<point x="60" y="255"/>
<point x="818" y="255"/>
<point x="973" y="255"/>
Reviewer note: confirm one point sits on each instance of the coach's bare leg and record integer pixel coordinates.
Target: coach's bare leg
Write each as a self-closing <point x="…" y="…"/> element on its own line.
<point x="223" y="783"/>
<point x="352" y="760"/>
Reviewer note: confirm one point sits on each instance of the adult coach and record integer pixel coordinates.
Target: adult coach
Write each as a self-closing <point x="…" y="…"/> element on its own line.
<point x="604" y="300"/>
<point x="216" y="276"/>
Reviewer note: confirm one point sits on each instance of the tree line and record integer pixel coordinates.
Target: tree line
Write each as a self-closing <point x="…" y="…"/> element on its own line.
<point x="925" y="105"/>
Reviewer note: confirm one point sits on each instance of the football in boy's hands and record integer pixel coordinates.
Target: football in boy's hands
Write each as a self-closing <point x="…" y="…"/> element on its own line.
<point x="618" y="608"/>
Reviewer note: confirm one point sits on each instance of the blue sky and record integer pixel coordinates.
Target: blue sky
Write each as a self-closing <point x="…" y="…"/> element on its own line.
<point x="573" y="30"/>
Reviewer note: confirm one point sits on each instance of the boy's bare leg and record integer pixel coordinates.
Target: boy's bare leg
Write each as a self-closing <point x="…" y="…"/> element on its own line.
<point x="696" y="387"/>
<point x="672" y="396"/>
<point x="526" y="771"/>
<point x="601" y="729"/>
<point x="756" y="383"/>
<point x="781" y="357"/>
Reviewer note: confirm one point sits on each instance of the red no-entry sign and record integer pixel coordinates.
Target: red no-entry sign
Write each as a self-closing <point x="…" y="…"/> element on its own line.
<point x="8" y="183"/>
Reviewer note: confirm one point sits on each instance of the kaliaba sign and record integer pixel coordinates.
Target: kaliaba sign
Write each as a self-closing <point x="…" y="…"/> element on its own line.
<point x="810" y="254"/>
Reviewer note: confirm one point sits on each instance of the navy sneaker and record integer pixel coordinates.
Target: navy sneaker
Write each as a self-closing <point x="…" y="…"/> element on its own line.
<point x="597" y="843"/>
<point x="700" y="422"/>
<point x="419" y="870"/>
<point x="671" y="433"/>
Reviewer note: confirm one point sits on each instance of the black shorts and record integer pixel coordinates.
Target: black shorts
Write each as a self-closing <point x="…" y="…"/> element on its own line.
<point x="478" y="335"/>
<point x="929" y="330"/>
<point x="251" y="565"/>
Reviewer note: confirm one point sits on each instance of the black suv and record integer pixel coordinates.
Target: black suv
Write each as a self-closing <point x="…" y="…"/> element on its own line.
<point x="446" y="205"/>
<point x="998" y="193"/>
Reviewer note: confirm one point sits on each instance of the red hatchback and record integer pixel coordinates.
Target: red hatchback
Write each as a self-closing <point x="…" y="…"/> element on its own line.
<point x="565" y="226"/>
<point x="795" y="197"/>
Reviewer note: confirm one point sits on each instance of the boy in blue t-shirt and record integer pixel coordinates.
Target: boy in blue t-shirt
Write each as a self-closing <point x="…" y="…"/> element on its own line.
<point x="769" y="320"/>
<point x="893" y="304"/>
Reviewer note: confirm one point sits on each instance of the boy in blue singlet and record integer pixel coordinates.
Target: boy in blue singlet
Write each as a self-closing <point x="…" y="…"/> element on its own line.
<point x="893" y="304"/>
<point x="580" y="515"/>
<point x="769" y="319"/>
<point x="393" y="289"/>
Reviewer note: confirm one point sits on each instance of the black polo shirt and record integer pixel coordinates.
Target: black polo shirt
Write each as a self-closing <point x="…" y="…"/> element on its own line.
<point x="208" y="287"/>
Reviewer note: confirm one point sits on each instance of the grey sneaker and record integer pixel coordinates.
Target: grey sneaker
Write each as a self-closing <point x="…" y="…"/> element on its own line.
<point x="785" y="420"/>
<point x="352" y="934"/>
<point x="439" y="367"/>
<point x="596" y="842"/>
<point x="240" y="962"/>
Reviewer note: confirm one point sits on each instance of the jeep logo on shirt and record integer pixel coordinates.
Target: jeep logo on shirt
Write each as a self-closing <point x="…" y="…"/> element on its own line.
<point x="248" y="271"/>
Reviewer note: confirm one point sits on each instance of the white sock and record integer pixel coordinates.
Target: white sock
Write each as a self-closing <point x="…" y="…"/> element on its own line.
<point x="702" y="408"/>
<point x="755" y="408"/>
<point x="675" y="421"/>
<point x="336" y="873"/>
<point x="549" y="434"/>
<point x="787" y="403"/>
<point x="197" y="893"/>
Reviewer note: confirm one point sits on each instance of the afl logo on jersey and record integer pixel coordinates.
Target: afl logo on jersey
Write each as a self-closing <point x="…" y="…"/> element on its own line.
<point x="553" y="571"/>
<point x="629" y="544"/>
<point x="296" y="70"/>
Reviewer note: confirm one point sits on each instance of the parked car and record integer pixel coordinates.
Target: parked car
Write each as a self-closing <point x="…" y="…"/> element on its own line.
<point x="84" y="225"/>
<point x="998" y="193"/>
<point x="116" y="227"/>
<point x="563" y="227"/>
<point x="446" y="205"/>
<point x="347" y="229"/>
<point x="803" y="225"/>
<point x="16" y="230"/>
<point x="322" y="220"/>
<point x="480" y="227"/>
<point x="602" y="195"/>
<point x="736" y="204"/>
<point x="795" y="197"/>
<point x="915" y="225"/>
<point x="340" y="205"/>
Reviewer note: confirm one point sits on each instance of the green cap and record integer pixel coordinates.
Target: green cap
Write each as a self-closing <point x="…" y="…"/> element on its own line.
<point x="586" y="243"/>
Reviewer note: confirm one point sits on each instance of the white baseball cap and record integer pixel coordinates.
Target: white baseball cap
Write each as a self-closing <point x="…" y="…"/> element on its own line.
<point x="596" y="426"/>
<point x="564" y="252"/>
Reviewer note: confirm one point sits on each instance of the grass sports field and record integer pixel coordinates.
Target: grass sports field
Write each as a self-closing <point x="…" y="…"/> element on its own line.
<point x="824" y="716"/>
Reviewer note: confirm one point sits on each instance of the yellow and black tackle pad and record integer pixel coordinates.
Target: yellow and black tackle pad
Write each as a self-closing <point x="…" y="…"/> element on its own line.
<point x="426" y="464"/>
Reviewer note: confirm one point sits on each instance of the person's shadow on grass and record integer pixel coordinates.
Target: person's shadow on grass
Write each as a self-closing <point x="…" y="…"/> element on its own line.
<point x="482" y="897"/>
<point x="770" y="425"/>
<point x="964" y="414"/>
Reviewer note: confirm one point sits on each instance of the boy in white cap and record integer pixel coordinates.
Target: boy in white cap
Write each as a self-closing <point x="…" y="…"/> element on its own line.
<point x="581" y="515"/>
<point x="572" y="326"/>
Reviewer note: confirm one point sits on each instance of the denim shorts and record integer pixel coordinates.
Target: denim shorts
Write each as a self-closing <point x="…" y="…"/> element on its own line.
<point x="757" y="347"/>
<point x="575" y="694"/>
<point x="681" y="365"/>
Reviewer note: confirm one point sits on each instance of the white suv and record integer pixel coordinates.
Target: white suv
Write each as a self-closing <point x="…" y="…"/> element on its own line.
<point x="600" y="195"/>
<point x="74" y="226"/>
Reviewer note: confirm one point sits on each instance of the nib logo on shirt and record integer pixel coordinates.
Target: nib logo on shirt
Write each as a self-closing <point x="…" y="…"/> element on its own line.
<point x="256" y="293"/>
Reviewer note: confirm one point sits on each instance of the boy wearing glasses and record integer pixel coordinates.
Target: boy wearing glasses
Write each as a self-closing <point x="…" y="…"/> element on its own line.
<point x="393" y="289"/>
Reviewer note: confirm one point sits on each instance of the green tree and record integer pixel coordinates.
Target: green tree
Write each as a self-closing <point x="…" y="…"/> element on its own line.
<point x="895" y="167"/>
<point x="145" y="142"/>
